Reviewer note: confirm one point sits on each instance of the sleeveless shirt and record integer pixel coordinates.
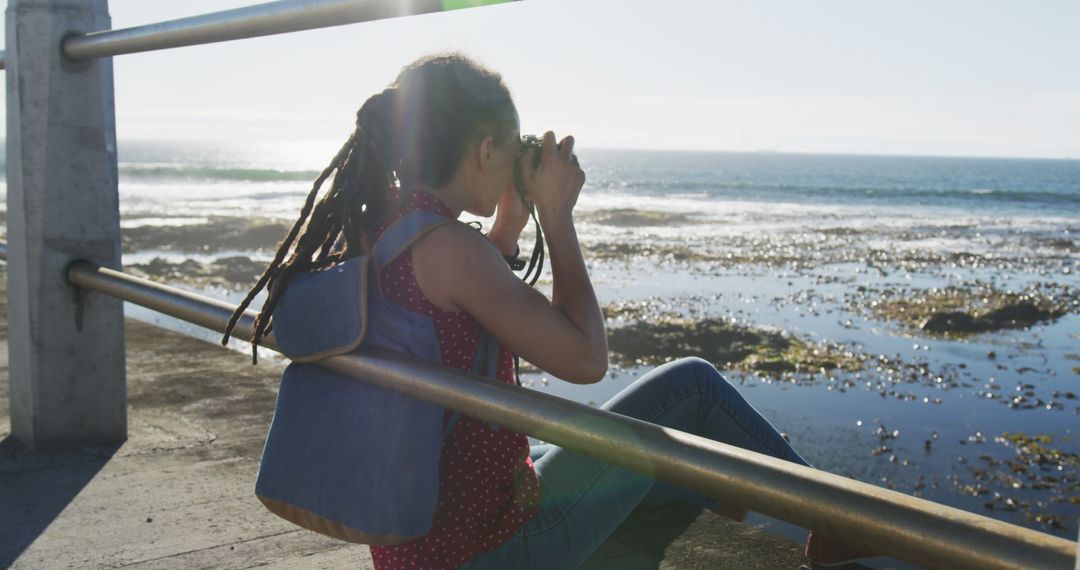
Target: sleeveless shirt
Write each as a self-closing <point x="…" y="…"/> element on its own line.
<point x="488" y="488"/>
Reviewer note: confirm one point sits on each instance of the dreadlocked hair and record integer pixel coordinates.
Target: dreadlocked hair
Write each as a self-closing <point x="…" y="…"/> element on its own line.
<point x="434" y="110"/>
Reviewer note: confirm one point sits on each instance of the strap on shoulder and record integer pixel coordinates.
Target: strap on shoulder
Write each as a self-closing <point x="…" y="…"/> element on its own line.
<point x="395" y="240"/>
<point x="450" y="423"/>
<point x="403" y="233"/>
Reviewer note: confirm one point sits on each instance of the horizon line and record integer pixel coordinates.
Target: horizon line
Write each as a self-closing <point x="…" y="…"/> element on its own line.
<point x="676" y="149"/>
<point x="836" y="153"/>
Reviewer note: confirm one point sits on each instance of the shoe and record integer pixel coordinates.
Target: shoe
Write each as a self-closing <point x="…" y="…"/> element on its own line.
<point x="827" y="552"/>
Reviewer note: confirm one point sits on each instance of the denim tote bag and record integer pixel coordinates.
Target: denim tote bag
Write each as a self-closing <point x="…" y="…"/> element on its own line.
<point x="344" y="457"/>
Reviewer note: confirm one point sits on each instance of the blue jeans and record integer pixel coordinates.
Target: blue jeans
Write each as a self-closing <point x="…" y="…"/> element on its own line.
<point x="583" y="500"/>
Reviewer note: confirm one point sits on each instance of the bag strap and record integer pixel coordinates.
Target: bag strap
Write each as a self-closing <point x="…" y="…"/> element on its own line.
<point x="397" y="238"/>
<point x="485" y="363"/>
<point x="403" y="233"/>
<point x="450" y="423"/>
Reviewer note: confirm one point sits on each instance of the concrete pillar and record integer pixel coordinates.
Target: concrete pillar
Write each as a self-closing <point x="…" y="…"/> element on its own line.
<point x="66" y="348"/>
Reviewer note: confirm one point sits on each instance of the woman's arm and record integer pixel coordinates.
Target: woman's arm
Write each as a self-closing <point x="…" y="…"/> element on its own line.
<point x="458" y="268"/>
<point x="554" y="188"/>
<point x="510" y="218"/>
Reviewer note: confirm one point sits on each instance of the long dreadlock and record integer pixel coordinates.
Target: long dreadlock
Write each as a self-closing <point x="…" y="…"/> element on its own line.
<point x="359" y="184"/>
<point x="434" y="109"/>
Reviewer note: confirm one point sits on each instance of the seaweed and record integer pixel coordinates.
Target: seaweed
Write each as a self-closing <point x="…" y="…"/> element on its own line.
<point x="726" y="345"/>
<point x="957" y="312"/>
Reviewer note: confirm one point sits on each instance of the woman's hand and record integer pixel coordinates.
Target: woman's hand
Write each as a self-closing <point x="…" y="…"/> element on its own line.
<point x="510" y="218"/>
<point x="555" y="184"/>
<point x="457" y="270"/>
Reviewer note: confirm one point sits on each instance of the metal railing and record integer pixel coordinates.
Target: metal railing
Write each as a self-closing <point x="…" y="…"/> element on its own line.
<point x="908" y="528"/>
<point x="251" y="21"/>
<point x="266" y="19"/>
<point x="889" y="522"/>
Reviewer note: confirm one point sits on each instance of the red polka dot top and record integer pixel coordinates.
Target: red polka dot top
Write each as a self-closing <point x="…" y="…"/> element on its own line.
<point x="487" y="485"/>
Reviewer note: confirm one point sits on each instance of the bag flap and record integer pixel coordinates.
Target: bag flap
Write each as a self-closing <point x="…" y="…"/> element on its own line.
<point x="323" y="313"/>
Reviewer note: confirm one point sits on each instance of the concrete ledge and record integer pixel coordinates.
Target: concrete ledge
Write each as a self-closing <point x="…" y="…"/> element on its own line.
<point x="178" y="493"/>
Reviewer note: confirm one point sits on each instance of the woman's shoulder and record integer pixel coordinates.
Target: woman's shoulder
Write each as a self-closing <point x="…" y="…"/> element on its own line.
<point x="453" y="259"/>
<point x="455" y="242"/>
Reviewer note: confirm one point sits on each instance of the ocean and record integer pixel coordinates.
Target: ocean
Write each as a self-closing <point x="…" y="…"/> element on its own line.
<point x="745" y="177"/>
<point x="837" y="257"/>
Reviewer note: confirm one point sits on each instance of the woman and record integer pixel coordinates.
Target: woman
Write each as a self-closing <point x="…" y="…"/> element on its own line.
<point x="444" y="137"/>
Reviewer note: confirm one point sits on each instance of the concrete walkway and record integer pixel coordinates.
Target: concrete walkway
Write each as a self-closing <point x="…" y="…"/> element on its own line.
<point x="178" y="493"/>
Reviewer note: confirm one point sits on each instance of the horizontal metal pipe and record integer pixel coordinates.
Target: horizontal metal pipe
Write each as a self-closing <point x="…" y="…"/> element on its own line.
<point x="892" y="523"/>
<point x="251" y="21"/>
<point x="184" y="305"/>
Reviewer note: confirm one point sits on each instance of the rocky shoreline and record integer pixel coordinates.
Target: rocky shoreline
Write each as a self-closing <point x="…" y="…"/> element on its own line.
<point x="826" y="306"/>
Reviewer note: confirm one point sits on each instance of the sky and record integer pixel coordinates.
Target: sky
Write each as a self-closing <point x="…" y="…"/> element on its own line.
<point x="912" y="77"/>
